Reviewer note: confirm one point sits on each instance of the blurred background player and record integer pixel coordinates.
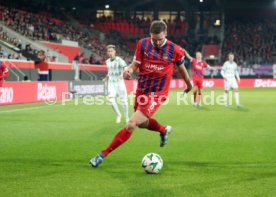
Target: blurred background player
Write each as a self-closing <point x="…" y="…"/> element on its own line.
<point x="230" y="74"/>
<point x="42" y="66"/>
<point x="198" y="65"/>
<point x="4" y="73"/>
<point x="116" y="85"/>
<point x="155" y="57"/>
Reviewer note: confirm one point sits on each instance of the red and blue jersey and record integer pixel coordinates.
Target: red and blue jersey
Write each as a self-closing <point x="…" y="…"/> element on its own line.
<point x="3" y="71"/>
<point x="197" y="68"/>
<point x="156" y="66"/>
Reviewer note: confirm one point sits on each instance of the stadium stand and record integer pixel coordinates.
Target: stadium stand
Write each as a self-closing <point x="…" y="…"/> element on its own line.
<point x="137" y="27"/>
<point x="43" y="27"/>
<point x="251" y="41"/>
<point x="244" y="38"/>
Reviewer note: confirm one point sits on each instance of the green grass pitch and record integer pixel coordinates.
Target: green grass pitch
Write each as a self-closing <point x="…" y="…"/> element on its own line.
<point x="213" y="150"/>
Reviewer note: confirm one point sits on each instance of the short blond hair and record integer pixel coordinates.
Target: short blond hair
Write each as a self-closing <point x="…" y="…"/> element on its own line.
<point x="111" y="46"/>
<point x="198" y="52"/>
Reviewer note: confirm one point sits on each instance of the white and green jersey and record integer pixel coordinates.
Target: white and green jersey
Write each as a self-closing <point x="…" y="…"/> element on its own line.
<point x="229" y="71"/>
<point x="115" y="69"/>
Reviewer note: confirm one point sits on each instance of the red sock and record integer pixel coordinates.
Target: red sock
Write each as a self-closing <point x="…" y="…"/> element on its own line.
<point x="155" y="126"/>
<point x="194" y="96"/>
<point x="120" y="138"/>
<point x="199" y="98"/>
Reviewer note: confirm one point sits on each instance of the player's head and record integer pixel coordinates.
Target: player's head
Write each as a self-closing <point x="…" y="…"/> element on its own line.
<point x="41" y="52"/>
<point x="158" y="32"/>
<point x="111" y="51"/>
<point x="198" y="55"/>
<point x="231" y="56"/>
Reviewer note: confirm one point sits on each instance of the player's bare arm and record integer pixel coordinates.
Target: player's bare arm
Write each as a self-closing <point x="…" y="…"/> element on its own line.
<point x="188" y="55"/>
<point x="211" y="68"/>
<point x="184" y="74"/>
<point x="105" y="78"/>
<point x="5" y="74"/>
<point x="237" y="76"/>
<point x="222" y="72"/>
<point x="130" y="69"/>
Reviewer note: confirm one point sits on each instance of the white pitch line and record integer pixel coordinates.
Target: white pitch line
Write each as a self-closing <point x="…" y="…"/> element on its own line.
<point x="23" y="109"/>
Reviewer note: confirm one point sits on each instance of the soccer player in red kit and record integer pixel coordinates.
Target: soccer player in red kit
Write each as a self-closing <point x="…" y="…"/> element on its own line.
<point x="155" y="57"/>
<point x="198" y="66"/>
<point x="4" y="73"/>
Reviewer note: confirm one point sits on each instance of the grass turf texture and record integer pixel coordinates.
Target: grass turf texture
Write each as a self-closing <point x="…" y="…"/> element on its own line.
<point x="213" y="151"/>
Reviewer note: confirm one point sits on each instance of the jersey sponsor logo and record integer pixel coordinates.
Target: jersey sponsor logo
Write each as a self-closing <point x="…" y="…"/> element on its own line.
<point x="165" y="57"/>
<point x="6" y="95"/>
<point x="154" y="67"/>
<point x="264" y="83"/>
<point x="45" y="92"/>
<point x="199" y="67"/>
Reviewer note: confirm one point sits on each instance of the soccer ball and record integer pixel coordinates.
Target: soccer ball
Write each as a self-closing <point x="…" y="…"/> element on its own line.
<point x="152" y="163"/>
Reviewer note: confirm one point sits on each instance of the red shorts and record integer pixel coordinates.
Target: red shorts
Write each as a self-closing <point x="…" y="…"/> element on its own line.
<point x="148" y="104"/>
<point x="1" y="82"/>
<point x="198" y="82"/>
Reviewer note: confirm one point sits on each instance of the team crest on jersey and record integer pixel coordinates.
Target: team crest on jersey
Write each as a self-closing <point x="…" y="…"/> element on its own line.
<point x="165" y="57"/>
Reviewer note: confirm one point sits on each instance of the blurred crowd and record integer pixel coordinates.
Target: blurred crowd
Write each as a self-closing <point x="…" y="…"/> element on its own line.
<point x="43" y="27"/>
<point x="17" y="51"/>
<point x="138" y="27"/>
<point x="39" y="27"/>
<point x="251" y="41"/>
<point x="130" y="30"/>
<point x="9" y="54"/>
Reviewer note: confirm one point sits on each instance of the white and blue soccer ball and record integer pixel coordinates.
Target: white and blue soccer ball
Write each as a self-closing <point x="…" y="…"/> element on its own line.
<point x="152" y="163"/>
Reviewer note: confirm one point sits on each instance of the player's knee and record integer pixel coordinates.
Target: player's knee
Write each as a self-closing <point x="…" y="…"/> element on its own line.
<point x="111" y="99"/>
<point x="144" y="124"/>
<point x="124" y="101"/>
<point x="131" y="125"/>
<point x="141" y="126"/>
